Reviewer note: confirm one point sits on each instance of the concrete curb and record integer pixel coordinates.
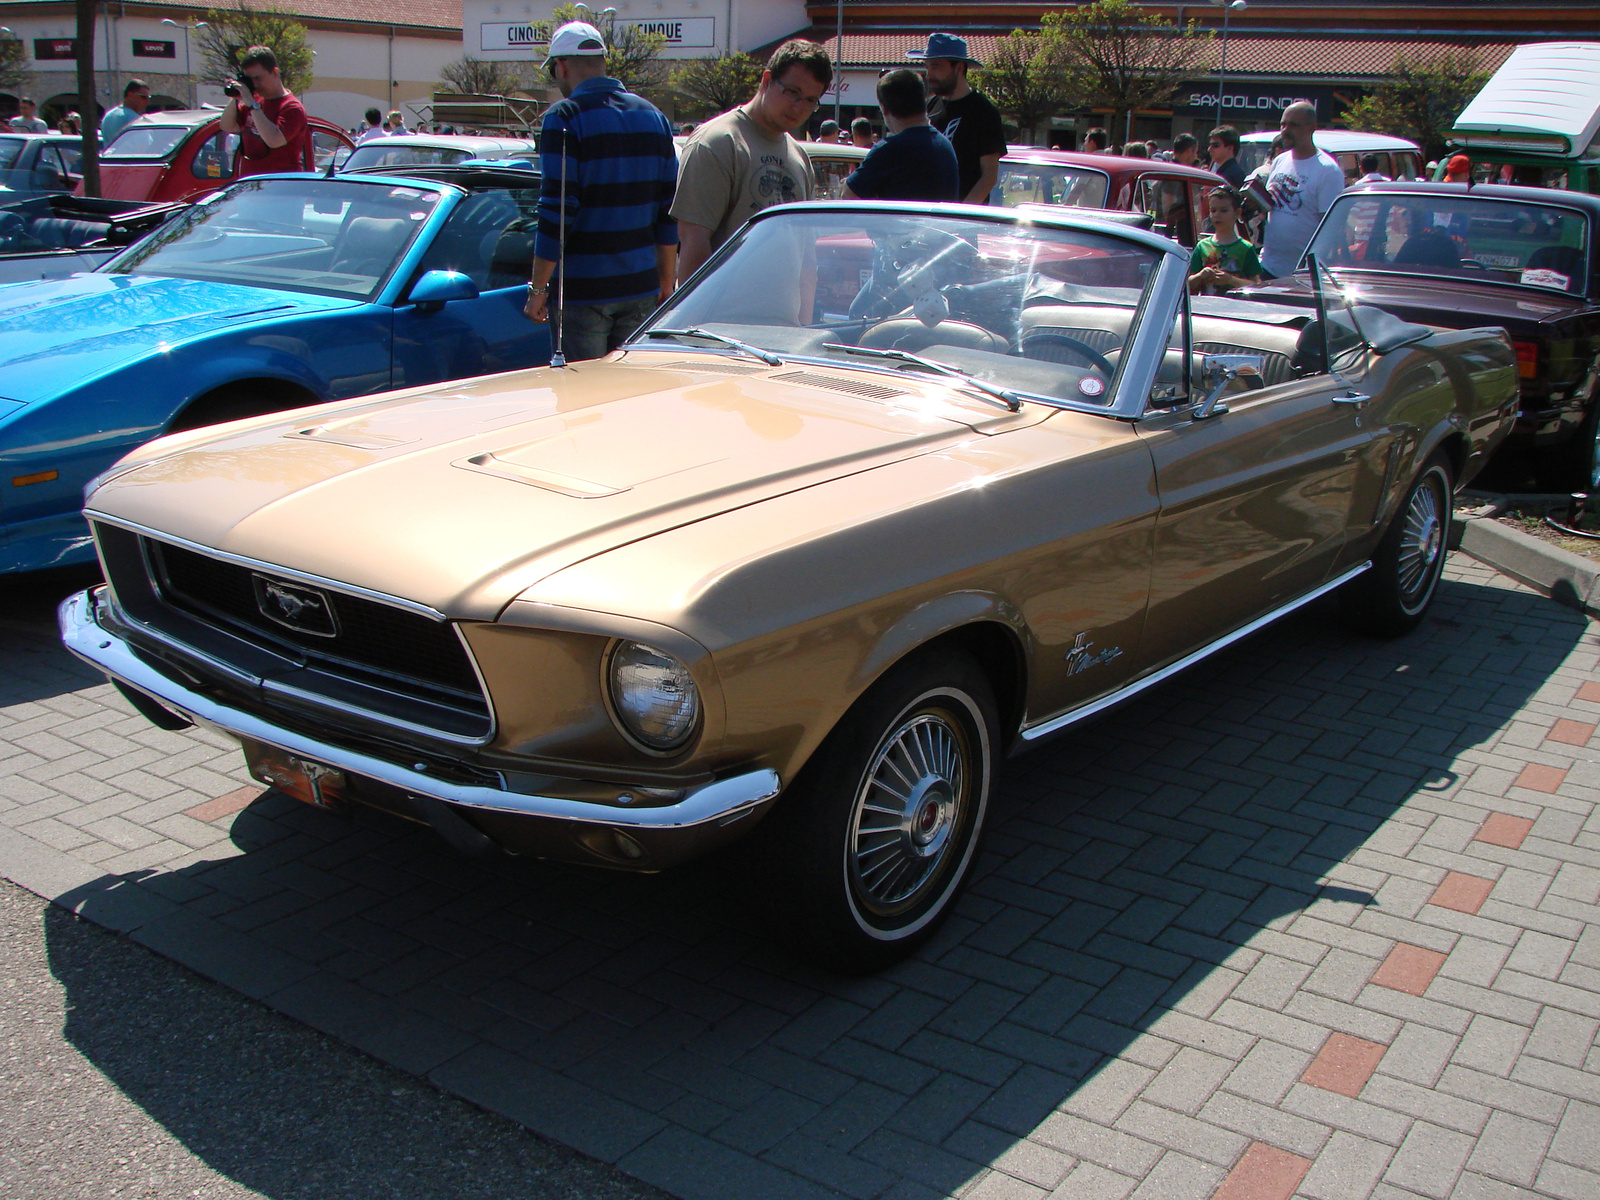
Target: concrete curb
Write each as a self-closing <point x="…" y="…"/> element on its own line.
<point x="1566" y="578"/>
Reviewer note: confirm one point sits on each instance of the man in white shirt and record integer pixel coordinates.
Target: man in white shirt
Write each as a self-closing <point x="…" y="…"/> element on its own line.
<point x="374" y="127"/>
<point x="28" y="120"/>
<point x="1300" y="187"/>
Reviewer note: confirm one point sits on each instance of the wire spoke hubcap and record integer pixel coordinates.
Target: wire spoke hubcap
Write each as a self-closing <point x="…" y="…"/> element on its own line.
<point x="1421" y="541"/>
<point x="911" y="803"/>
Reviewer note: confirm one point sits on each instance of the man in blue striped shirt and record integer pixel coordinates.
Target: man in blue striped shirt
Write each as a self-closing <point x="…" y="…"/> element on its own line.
<point x="621" y="171"/>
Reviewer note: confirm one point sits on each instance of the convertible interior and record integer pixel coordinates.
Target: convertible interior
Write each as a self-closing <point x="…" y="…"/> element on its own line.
<point x="1049" y="318"/>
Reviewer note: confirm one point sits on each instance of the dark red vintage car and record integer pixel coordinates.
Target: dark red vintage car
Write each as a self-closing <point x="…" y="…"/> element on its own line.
<point x="1461" y="256"/>
<point x="184" y="153"/>
<point x="1172" y="194"/>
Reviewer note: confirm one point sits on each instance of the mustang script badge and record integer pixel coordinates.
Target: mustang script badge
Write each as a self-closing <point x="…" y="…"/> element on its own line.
<point x="302" y="609"/>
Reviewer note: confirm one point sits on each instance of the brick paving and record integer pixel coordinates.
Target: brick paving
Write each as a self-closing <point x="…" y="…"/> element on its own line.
<point x="1316" y="920"/>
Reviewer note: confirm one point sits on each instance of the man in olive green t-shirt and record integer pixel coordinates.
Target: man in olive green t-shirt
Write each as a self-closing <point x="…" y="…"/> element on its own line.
<point x="745" y="160"/>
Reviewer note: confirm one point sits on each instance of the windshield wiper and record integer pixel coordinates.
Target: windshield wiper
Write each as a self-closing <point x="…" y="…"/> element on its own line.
<point x="1010" y="399"/>
<point x="766" y="356"/>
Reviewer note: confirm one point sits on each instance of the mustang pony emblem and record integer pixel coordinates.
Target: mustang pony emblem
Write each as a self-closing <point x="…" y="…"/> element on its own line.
<point x="1079" y="659"/>
<point x="302" y="609"/>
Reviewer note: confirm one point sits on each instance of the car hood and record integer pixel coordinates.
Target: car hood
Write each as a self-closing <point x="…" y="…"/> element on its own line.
<point x="60" y="333"/>
<point x="1432" y="301"/>
<point x="463" y="496"/>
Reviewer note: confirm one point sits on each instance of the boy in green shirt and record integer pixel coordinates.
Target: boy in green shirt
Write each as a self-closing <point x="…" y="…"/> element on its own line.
<point x="1223" y="260"/>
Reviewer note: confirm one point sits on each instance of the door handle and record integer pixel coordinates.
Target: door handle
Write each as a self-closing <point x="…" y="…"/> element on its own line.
<point x="1353" y="397"/>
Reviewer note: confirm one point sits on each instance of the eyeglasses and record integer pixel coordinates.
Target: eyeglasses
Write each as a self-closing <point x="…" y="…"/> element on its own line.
<point x="795" y="96"/>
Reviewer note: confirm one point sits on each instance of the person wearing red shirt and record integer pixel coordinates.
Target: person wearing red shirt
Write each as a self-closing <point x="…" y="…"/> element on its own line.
<point x="271" y="123"/>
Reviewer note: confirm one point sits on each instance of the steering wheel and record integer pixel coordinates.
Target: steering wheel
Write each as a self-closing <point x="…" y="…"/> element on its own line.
<point x="1065" y="342"/>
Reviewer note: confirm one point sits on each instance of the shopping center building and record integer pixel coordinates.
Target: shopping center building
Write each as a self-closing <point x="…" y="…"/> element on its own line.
<point x="1328" y="51"/>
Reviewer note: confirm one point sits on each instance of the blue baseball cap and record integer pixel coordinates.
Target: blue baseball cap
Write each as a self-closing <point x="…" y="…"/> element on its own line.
<point x="945" y="45"/>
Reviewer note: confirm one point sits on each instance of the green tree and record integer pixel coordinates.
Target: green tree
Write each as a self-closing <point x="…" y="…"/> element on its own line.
<point x="1114" y="54"/>
<point x="718" y="83"/>
<point x="479" y="77"/>
<point x="229" y="32"/>
<point x="1421" y="99"/>
<point x="1025" y="80"/>
<point x="631" y="56"/>
<point x="13" y="64"/>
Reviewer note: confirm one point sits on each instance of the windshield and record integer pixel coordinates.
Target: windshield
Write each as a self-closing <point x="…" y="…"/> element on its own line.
<point x="375" y="154"/>
<point x="1042" y="312"/>
<point x="9" y="149"/>
<point x="1041" y="183"/>
<point x="146" y="141"/>
<point x="1462" y="236"/>
<point x="333" y="237"/>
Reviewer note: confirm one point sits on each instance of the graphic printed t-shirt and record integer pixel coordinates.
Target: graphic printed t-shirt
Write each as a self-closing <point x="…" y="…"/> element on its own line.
<point x="918" y="163"/>
<point x="258" y="158"/>
<point x="974" y="128"/>
<point x="1301" y="190"/>
<point x="730" y="170"/>
<point x="1237" y="257"/>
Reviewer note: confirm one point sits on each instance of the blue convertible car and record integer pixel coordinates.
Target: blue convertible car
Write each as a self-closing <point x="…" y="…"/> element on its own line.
<point x="280" y="292"/>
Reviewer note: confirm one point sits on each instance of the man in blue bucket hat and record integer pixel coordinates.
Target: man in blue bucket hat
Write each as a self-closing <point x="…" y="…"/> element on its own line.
<point x="967" y="117"/>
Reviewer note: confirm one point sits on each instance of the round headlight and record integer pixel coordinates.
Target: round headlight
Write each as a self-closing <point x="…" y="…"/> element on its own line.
<point x="655" y="699"/>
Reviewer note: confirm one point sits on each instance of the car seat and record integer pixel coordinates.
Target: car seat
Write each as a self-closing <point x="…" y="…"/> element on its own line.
<point x="911" y="335"/>
<point x="1564" y="260"/>
<point x="1430" y="248"/>
<point x="367" y="246"/>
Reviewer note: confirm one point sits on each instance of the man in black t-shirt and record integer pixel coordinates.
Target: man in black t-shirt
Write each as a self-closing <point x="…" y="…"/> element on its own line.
<point x="916" y="161"/>
<point x="968" y="118"/>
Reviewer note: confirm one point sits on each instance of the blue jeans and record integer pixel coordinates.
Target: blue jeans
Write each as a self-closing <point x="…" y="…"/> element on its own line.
<point x="594" y="330"/>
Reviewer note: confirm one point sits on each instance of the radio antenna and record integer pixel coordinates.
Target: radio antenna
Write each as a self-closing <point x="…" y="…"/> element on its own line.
<point x="557" y="358"/>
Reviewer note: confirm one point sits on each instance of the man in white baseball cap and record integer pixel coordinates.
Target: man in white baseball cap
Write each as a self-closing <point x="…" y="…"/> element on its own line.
<point x="620" y="257"/>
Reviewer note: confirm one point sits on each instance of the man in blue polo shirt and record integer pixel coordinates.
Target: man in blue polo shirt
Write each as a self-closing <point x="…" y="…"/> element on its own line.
<point x="614" y="150"/>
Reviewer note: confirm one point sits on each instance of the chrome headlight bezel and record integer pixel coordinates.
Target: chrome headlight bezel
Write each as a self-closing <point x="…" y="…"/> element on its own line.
<point x="624" y="706"/>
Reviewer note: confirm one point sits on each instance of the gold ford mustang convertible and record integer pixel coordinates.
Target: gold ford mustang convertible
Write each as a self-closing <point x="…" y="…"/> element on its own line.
<point x="886" y="492"/>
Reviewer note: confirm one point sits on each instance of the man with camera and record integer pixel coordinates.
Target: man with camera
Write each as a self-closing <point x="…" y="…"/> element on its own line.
<point x="270" y="121"/>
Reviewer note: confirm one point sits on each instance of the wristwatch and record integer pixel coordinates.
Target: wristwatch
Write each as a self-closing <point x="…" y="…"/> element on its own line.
<point x="539" y="291"/>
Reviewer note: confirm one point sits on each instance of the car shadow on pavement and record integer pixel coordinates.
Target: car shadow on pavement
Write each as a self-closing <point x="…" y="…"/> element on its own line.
<point x="1132" y="875"/>
<point x="36" y="667"/>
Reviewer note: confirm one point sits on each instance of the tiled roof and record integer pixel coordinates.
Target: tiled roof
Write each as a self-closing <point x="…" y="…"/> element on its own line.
<point x="1346" y="60"/>
<point x="413" y="14"/>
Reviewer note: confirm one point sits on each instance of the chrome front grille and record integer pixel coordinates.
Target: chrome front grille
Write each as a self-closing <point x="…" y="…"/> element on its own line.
<point x="344" y="654"/>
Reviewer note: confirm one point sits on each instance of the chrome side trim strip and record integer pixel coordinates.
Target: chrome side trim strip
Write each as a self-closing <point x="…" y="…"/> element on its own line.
<point x="255" y="564"/>
<point x="1050" y="726"/>
<point x="719" y="802"/>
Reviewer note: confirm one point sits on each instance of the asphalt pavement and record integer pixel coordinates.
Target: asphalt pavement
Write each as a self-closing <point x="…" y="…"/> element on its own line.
<point x="128" y="1075"/>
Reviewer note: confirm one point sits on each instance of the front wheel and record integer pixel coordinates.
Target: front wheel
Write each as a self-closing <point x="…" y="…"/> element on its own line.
<point x="1392" y="597"/>
<point x="877" y="836"/>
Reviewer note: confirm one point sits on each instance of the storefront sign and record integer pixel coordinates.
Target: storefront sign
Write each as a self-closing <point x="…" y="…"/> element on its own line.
<point x="694" y="33"/>
<point x="528" y="35"/>
<point x="57" y="48"/>
<point x="853" y="87"/>
<point x="1258" y="101"/>
<point x="147" y="49"/>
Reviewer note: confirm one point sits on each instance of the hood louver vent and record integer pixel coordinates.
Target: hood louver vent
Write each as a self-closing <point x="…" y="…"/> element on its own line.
<point x="872" y="391"/>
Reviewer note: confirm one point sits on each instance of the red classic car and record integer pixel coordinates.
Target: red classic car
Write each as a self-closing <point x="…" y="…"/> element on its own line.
<point x="1174" y="195"/>
<point x="184" y="153"/>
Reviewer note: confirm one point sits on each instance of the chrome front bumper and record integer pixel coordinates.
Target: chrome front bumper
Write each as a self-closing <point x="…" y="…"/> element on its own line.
<point x="699" y="811"/>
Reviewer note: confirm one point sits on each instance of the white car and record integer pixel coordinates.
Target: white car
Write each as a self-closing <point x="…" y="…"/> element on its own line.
<point x="1397" y="158"/>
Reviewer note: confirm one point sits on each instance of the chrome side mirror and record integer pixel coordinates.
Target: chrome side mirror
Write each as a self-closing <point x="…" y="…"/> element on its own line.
<point x="1219" y="371"/>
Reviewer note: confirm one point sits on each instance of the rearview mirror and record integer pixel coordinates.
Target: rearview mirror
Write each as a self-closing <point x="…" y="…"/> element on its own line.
<point x="437" y="288"/>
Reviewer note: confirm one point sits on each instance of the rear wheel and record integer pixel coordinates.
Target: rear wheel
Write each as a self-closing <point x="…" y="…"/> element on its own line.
<point x="1392" y="597"/>
<point x="877" y="836"/>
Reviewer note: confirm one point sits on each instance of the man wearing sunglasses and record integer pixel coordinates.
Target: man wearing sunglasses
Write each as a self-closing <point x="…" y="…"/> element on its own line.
<point x="1225" y="156"/>
<point x="608" y="156"/>
<point x="746" y="160"/>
